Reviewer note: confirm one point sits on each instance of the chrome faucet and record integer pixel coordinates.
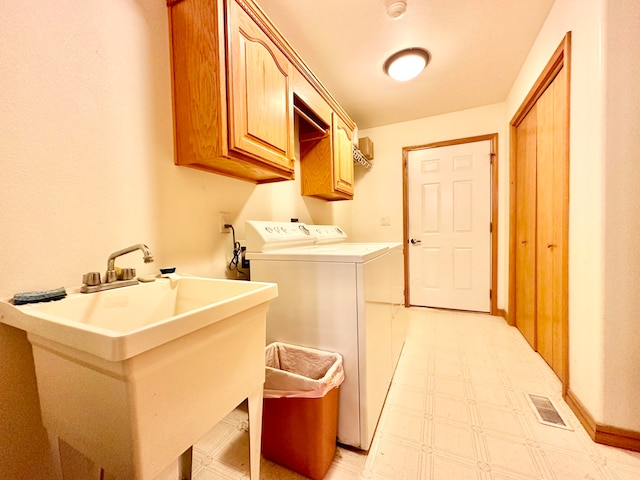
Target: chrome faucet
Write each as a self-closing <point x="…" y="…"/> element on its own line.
<point x="148" y="257"/>
<point x="127" y="276"/>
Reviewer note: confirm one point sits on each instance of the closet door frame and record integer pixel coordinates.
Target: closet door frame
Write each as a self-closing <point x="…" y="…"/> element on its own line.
<point x="560" y="59"/>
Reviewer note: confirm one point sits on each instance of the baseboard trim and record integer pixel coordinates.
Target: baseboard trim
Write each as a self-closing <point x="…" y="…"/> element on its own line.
<point x="508" y="318"/>
<point x="583" y="415"/>
<point x="604" y="434"/>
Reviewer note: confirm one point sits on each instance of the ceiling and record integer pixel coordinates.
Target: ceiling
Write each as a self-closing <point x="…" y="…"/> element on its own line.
<point x="477" y="49"/>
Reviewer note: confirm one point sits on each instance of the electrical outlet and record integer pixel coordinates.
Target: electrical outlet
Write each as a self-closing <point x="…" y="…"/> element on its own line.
<point x="224" y="220"/>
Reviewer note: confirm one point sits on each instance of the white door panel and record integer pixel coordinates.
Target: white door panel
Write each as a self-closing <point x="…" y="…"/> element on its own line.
<point x="449" y="221"/>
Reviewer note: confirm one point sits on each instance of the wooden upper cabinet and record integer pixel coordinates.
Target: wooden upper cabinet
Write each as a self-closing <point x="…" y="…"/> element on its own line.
<point x="235" y="78"/>
<point x="232" y="94"/>
<point x="326" y="162"/>
<point x="326" y="152"/>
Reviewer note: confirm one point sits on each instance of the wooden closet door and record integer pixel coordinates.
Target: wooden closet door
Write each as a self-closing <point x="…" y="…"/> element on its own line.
<point x="525" y="279"/>
<point x="550" y="245"/>
<point x="545" y="235"/>
<point x="561" y="227"/>
<point x="539" y="235"/>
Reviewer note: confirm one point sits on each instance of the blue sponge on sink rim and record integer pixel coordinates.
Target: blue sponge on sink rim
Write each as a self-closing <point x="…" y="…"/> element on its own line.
<point x="39" y="296"/>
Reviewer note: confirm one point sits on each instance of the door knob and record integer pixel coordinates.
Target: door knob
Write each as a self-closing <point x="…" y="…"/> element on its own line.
<point x="524" y="242"/>
<point x="415" y="242"/>
<point x="551" y="245"/>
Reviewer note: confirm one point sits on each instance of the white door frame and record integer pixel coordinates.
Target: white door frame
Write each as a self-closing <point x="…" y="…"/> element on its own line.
<point x="493" y="138"/>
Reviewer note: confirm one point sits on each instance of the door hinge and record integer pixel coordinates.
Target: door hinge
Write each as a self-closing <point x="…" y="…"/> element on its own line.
<point x="491" y="157"/>
<point x="490" y="227"/>
<point x="490" y="294"/>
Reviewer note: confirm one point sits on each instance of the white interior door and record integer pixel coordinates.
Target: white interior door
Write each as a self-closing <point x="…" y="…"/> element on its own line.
<point x="449" y="226"/>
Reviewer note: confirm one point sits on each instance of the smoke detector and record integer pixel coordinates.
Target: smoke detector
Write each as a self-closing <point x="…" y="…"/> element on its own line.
<point x="396" y="9"/>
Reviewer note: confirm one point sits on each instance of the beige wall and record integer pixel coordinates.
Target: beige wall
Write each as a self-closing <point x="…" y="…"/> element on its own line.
<point x="379" y="189"/>
<point x="86" y="162"/>
<point x="621" y="332"/>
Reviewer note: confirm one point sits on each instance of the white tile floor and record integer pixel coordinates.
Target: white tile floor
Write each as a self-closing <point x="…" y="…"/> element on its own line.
<point x="456" y="410"/>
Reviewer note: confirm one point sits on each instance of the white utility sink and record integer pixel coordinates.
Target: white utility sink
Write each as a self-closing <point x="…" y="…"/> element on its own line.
<point x="132" y="377"/>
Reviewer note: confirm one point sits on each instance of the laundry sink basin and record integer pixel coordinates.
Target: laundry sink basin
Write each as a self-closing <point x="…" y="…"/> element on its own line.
<point x="121" y="323"/>
<point x="133" y="377"/>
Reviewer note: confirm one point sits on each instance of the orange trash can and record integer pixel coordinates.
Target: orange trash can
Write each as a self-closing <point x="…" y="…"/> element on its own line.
<point x="300" y="409"/>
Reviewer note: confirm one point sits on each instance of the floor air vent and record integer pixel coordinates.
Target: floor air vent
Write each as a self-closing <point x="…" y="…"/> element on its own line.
<point x="546" y="411"/>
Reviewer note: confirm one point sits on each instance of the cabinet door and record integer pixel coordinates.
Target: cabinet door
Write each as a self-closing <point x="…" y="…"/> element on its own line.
<point x="342" y="157"/>
<point x="260" y="92"/>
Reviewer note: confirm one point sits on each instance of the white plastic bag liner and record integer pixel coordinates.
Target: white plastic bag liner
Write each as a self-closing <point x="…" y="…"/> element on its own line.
<point x="299" y="372"/>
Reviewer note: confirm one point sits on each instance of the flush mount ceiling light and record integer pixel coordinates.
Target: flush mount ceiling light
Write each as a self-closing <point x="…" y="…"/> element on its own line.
<point x="406" y="64"/>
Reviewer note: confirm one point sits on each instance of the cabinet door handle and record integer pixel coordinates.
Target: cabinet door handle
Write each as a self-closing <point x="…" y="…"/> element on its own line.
<point x="415" y="242"/>
<point x="523" y="242"/>
<point x="551" y="245"/>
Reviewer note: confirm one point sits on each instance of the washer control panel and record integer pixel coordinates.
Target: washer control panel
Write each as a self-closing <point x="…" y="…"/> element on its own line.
<point x="328" y="234"/>
<point x="262" y="236"/>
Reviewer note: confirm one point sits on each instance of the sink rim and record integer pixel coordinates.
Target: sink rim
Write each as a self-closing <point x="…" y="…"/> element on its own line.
<point x="115" y="345"/>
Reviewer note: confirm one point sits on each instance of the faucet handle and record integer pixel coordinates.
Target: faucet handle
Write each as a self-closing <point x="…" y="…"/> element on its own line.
<point x="110" y="276"/>
<point x="91" y="279"/>
<point x="128" y="273"/>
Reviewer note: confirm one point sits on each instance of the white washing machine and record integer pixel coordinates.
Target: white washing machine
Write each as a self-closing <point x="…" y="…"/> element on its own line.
<point x="333" y="297"/>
